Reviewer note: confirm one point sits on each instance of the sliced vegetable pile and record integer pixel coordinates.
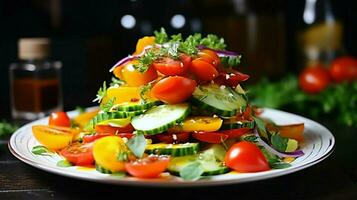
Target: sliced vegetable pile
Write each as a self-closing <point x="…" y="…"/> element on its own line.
<point x="175" y="105"/>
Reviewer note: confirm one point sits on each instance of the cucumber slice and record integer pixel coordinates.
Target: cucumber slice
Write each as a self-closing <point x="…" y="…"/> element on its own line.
<point x="220" y="100"/>
<point x="172" y="149"/>
<point x="100" y="117"/>
<point x="210" y="167"/>
<point x="234" y="124"/>
<point x="102" y="170"/>
<point x="159" y="119"/>
<point x="135" y="106"/>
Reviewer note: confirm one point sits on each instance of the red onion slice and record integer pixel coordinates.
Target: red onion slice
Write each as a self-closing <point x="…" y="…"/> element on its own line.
<point x="220" y="53"/>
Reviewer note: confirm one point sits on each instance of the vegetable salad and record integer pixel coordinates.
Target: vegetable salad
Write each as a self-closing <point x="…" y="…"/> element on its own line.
<point x="174" y="105"/>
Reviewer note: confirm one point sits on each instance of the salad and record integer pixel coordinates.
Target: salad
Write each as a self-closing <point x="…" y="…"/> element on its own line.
<point x="175" y="105"/>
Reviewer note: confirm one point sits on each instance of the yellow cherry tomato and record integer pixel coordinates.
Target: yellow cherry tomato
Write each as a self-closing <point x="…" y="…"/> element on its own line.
<point x="133" y="77"/>
<point x="106" y="151"/>
<point x="83" y="118"/>
<point x="144" y="42"/>
<point x="201" y="123"/>
<point x="53" y="137"/>
<point x="124" y="94"/>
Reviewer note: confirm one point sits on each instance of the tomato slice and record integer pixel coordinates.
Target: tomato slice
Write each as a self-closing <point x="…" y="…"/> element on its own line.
<point x="113" y="129"/>
<point x="201" y="123"/>
<point x="172" y="138"/>
<point x="231" y="79"/>
<point x="246" y="157"/>
<point x="235" y="133"/>
<point x="171" y="67"/>
<point x="148" y="167"/>
<point x="174" y="89"/>
<point x="79" y="154"/>
<point x="59" y="119"/>
<point x="210" y="137"/>
<point x="203" y="70"/>
<point x="53" y="137"/>
<point x="93" y="137"/>
<point x="209" y="56"/>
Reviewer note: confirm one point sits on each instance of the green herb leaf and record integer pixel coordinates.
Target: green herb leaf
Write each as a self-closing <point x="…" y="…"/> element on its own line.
<point x="231" y="61"/>
<point x="280" y="165"/>
<point x="7" y="128"/>
<point x="279" y="143"/>
<point x="271" y="158"/>
<point x="64" y="163"/>
<point x="213" y="41"/>
<point x="143" y="90"/>
<point x="261" y="127"/>
<point x="192" y="171"/>
<point x="189" y="46"/>
<point x="116" y="82"/>
<point x="108" y="105"/>
<point x="161" y="37"/>
<point x="123" y="156"/>
<point x="137" y="144"/>
<point x="145" y="61"/>
<point x="41" y="150"/>
<point x="101" y="93"/>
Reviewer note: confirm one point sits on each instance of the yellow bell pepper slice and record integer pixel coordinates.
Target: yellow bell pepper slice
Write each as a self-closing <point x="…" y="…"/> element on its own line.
<point x="106" y="151"/>
<point x="124" y="94"/>
<point x="144" y="42"/>
<point x="83" y="118"/>
<point x="201" y="123"/>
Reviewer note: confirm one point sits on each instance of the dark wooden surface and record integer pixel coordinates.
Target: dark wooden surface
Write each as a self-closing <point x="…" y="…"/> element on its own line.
<point x="333" y="178"/>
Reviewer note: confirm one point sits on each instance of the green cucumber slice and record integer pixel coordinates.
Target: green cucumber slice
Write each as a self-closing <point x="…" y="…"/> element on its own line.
<point x="102" y="170"/>
<point x="210" y="167"/>
<point x="234" y="124"/>
<point x="160" y="118"/>
<point x="100" y="117"/>
<point x="135" y="106"/>
<point x="173" y="149"/>
<point x="220" y="100"/>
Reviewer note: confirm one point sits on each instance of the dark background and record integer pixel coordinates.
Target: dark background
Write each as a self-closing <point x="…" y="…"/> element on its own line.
<point x="87" y="35"/>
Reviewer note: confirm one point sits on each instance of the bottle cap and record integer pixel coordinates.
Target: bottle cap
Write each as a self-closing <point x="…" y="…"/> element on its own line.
<point x="34" y="48"/>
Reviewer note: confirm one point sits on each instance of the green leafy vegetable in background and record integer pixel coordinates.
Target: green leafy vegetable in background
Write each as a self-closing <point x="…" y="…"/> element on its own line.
<point x="338" y="100"/>
<point x="7" y="128"/>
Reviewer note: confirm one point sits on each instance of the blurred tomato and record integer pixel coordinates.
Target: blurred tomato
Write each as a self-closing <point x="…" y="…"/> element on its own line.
<point x="344" y="69"/>
<point x="314" y="79"/>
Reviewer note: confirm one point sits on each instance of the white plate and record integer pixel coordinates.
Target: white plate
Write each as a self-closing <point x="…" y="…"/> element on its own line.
<point x="319" y="143"/>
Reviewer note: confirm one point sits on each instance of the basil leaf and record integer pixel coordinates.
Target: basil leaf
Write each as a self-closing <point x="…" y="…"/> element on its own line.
<point x="261" y="127"/>
<point x="137" y="144"/>
<point x="278" y="142"/>
<point x="64" y="163"/>
<point x="192" y="171"/>
<point x="280" y="165"/>
<point x="271" y="158"/>
<point x="41" y="150"/>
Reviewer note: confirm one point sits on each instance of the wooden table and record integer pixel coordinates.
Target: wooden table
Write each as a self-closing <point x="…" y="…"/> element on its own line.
<point x="333" y="178"/>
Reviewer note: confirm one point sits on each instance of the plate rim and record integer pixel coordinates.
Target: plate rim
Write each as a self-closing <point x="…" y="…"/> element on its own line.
<point x="180" y="183"/>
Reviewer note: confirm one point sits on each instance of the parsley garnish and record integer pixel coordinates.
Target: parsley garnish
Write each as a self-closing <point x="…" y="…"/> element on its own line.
<point x="161" y="37"/>
<point x="231" y="60"/>
<point x="143" y="90"/>
<point x="145" y="61"/>
<point x="116" y="82"/>
<point x="108" y="105"/>
<point x="101" y="93"/>
<point x="213" y="42"/>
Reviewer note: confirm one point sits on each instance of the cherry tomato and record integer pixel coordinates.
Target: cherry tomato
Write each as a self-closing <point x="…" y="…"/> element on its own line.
<point x="209" y="56"/>
<point x="148" y="167"/>
<point x="172" y="138"/>
<point x="171" y="67"/>
<point x="173" y="89"/>
<point x="203" y="70"/>
<point x="231" y="79"/>
<point x="79" y="154"/>
<point x="314" y="79"/>
<point x="53" y="137"/>
<point x="210" y="137"/>
<point x="246" y="157"/>
<point x="59" y="119"/>
<point x="344" y="69"/>
<point x="113" y="129"/>
<point x="132" y="77"/>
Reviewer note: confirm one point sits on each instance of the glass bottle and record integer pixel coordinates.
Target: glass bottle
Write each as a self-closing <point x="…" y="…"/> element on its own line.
<point x="35" y="81"/>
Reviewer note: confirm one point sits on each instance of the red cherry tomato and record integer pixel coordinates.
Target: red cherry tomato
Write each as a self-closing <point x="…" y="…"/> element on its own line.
<point x="113" y="129"/>
<point x="171" y="138"/>
<point x="209" y="56"/>
<point x="173" y="89"/>
<point x="231" y="79"/>
<point x="203" y="70"/>
<point x="171" y="67"/>
<point x="344" y="69"/>
<point x="314" y="79"/>
<point x="210" y="137"/>
<point x="235" y="133"/>
<point x="148" y="167"/>
<point x="59" y="119"/>
<point x="246" y="157"/>
<point x="79" y="154"/>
